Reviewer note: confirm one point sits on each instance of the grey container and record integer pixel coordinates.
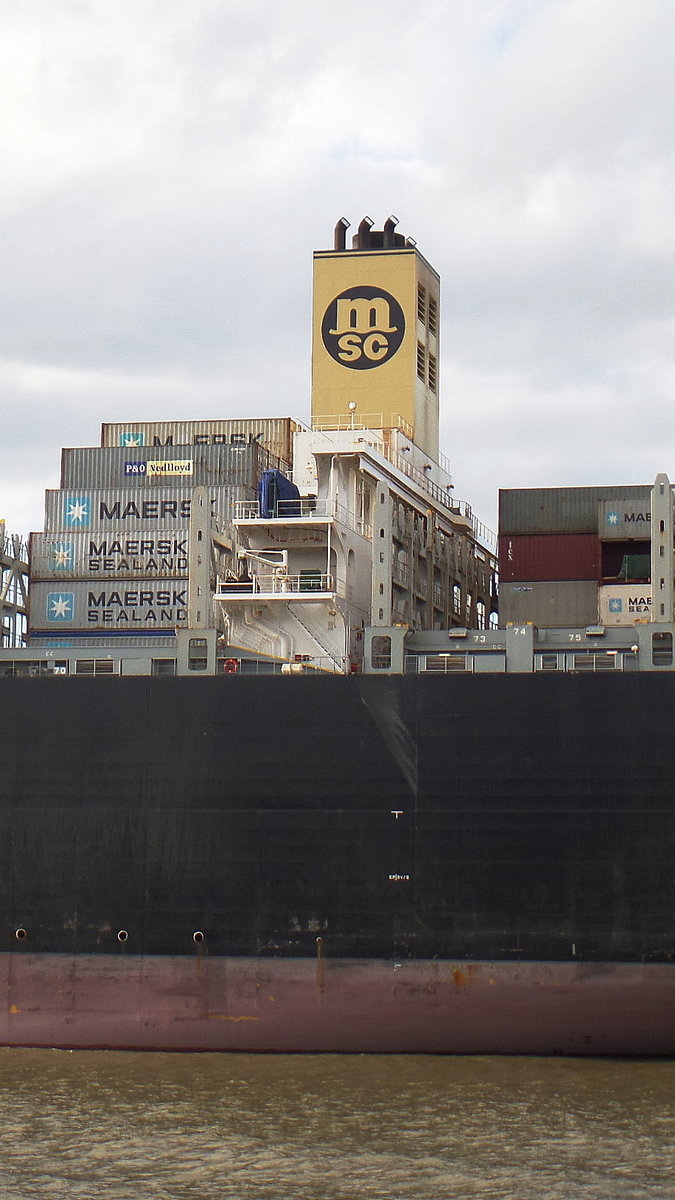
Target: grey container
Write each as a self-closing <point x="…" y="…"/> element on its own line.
<point x="158" y="466"/>
<point x="95" y="555"/>
<point x="621" y="520"/>
<point x="132" y="508"/>
<point x="106" y="606"/>
<point x="571" y="604"/>
<point x="275" y="433"/>
<point x="559" y="510"/>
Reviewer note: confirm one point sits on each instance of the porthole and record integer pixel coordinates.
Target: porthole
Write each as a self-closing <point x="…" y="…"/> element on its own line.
<point x="20" y="934"/>
<point x="198" y="936"/>
<point x="122" y="935"/>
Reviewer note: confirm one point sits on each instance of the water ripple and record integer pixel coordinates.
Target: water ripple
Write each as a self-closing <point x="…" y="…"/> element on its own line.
<point x="174" y="1127"/>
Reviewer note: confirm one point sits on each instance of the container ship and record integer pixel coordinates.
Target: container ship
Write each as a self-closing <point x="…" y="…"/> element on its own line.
<point x="279" y="773"/>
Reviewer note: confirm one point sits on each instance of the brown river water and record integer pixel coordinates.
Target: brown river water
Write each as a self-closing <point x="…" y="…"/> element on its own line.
<point x="103" y="1124"/>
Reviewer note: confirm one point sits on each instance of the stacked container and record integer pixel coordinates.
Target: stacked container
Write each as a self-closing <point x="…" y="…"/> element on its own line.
<point x="625" y="531"/>
<point x="274" y="434"/>
<point x="148" y="467"/>
<point x="113" y="559"/>
<point x="555" y="555"/>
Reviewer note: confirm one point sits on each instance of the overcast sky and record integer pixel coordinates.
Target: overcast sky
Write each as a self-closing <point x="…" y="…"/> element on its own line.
<point x="169" y="167"/>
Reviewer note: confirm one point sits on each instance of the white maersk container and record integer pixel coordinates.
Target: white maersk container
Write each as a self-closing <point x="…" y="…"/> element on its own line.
<point x="167" y="508"/>
<point x="129" y="607"/>
<point x="97" y="554"/>
<point x="624" y="603"/>
<point x="625" y="520"/>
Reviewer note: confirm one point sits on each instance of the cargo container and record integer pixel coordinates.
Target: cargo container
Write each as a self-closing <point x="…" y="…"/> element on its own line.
<point x="274" y="433"/>
<point x="130" y="508"/>
<point x="158" y="466"/>
<point x="622" y="520"/>
<point x="548" y="605"/>
<point x="111" y="606"/>
<point x="129" y="554"/>
<point x="560" y="510"/>
<point x="549" y="556"/>
<point x="624" y="604"/>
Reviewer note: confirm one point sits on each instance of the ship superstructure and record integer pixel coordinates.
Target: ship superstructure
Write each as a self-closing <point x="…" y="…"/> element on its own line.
<point x="269" y="538"/>
<point x="373" y="535"/>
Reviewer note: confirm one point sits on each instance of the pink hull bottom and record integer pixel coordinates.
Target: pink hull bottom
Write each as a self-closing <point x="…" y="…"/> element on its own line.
<point x="229" y="1004"/>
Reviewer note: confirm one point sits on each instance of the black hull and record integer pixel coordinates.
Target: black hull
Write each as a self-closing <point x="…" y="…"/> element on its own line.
<point x="352" y="829"/>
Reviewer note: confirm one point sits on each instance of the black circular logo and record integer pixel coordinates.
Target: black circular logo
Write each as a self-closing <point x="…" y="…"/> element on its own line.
<point x="363" y="328"/>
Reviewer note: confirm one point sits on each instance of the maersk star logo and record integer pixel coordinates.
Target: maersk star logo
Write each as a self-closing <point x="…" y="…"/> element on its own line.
<point x="132" y="439"/>
<point x="61" y="556"/>
<point x="60" y="606"/>
<point x="616" y="606"/>
<point x="612" y="518"/>
<point x="77" y="511"/>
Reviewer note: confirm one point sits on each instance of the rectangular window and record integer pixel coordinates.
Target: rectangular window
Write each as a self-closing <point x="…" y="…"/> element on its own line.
<point x="421" y="303"/>
<point x="197" y="654"/>
<point x="547" y="662"/>
<point x="380" y="652"/>
<point x="433" y="316"/>
<point x="421" y="361"/>
<point x="164" y="666"/>
<point x="594" y="662"/>
<point x="95" y="666"/>
<point x="448" y="663"/>
<point x="662" y="649"/>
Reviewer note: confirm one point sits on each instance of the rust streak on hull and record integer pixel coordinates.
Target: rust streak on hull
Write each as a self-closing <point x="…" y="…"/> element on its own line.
<point x="248" y="1004"/>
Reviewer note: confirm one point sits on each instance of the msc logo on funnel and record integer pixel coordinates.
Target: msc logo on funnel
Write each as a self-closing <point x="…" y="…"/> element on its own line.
<point x="363" y="328"/>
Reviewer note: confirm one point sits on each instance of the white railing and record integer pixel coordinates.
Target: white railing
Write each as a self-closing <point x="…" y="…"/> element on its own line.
<point x="359" y="526"/>
<point x="249" y="510"/>
<point x="370" y="421"/>
<point x="307" y="508"/>
<point x="441" y="494"/>
<point x="299" y="510"/>
<point x="300" y="664"/>
<point x="276" y="583"/>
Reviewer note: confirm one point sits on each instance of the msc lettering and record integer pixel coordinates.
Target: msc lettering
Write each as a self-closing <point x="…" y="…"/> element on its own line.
<point x="363" y="327"/>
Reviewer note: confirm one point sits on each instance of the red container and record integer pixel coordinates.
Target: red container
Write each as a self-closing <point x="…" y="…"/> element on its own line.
<point x="549" y="556"/>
